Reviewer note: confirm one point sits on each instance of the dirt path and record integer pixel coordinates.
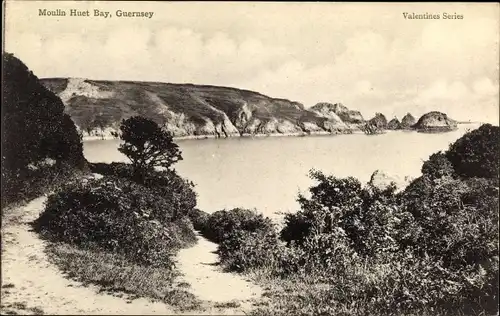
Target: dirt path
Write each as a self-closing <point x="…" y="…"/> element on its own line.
<point x="32" y="285"/>
<point x="199" y="266"/>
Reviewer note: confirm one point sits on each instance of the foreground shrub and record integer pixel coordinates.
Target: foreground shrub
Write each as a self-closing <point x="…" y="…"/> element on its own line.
<point x="243" y="250"/>
<point x="221" y="223"/>
<point x="477" y="153"/>
<point x="118" y="216"/>
<point x="438" y="166"/>
<point x="178" y="192"/>
<point x="457" y="219"/>
<point x="368" y="216"/>
<point x="431" y="249"/>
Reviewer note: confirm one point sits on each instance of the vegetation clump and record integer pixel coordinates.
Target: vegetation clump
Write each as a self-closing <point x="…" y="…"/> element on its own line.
<point x="147" y="145"/>
<point x="40" y="143"/>
<point x="431" y="249"/>
<point x="115" y="215"/>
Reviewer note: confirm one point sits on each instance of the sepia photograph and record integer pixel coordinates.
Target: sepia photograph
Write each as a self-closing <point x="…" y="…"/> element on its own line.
<point x="250" y="158"/>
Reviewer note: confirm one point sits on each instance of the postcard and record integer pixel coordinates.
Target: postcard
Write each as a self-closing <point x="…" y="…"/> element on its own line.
<point x="250" y="158"/>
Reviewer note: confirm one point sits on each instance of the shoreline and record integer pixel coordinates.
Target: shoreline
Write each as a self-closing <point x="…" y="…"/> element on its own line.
<point x="296" y="134"/>
<point x="198" y="137"/>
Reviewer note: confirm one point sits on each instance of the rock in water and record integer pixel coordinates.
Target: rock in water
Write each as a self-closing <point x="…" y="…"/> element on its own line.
<point x="435" y="122"/>
<point x="379" y="121"/>
<point x="408" y="121"/>
<point x="394" y="124"/>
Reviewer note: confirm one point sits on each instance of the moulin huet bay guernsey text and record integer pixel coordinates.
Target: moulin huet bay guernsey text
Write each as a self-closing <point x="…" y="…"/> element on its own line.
<point x="95" y="13"/>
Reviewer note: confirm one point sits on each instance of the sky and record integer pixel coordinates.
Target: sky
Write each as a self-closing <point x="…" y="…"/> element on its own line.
<point x="366" y="56"/>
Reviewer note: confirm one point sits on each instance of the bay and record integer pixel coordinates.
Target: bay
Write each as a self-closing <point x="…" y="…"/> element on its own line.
<point x="267" y="173"/>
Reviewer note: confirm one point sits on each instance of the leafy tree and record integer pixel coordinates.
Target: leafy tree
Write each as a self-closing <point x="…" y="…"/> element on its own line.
<point x="147" y="145"/>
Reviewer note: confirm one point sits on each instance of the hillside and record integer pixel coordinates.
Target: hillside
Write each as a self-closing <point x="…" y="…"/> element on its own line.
<point x="199" y="111"/>
<point x="97" y="107"/>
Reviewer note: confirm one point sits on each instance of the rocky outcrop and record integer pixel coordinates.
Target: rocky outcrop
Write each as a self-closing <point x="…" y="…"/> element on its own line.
<point x="382" y="180"/>
<point x="376" y="125"/>
<point x="408" y="121"/>
<point x="379" y="121"/>
<point x="338" y="111"/>
<point x="435" y="122"/>
<point x="394" y="124"/>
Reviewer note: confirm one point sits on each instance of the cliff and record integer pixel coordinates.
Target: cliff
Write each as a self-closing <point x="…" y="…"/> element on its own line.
<point x="188" y="110"/>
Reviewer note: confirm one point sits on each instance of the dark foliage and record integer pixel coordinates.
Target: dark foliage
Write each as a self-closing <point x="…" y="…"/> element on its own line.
<point x="34" y="128"/>
<point x="19" y="187"/>
<point x="431" y="249"/>
<point x="147" y="145"/>
<point x="477" y="153"/>
<point x="171" y="187"/>
<point x="366" y="214"/>
<point x="221" y="223"/>
<point x="438" y="166"/>
<point x="243" y="250"/>
<point x="115" y="215"/>
<point x="198" y="218"/>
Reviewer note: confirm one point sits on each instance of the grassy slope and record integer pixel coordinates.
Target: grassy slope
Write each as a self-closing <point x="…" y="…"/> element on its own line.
<point x="196" y="102"/>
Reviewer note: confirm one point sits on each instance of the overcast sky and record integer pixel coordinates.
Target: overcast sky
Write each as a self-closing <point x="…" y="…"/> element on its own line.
<point x="366" y="56"/>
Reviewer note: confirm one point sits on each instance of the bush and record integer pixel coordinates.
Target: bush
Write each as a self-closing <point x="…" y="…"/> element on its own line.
<point x="242" y="250"/>
<point x="21" y="186"/>
<point x="221" y="223"/>
<point x="477" y="153"/>
<point x="431" y="249"/>
<point x="115" y="215"/>
<point x="367" y="215"/>
<point x="198" y="218"/>
<point x="438" y="166"/>
<point x="177" y="191"/>
<point x="331" y="199"/>
<point x="457" y="219"/>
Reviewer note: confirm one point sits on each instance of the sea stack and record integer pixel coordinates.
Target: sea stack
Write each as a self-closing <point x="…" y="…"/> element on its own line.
<point x="435" y="121"/>
<point x="408" y="121"/>
<point x="394" y="124"/>
<point x="379" y="121"/>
